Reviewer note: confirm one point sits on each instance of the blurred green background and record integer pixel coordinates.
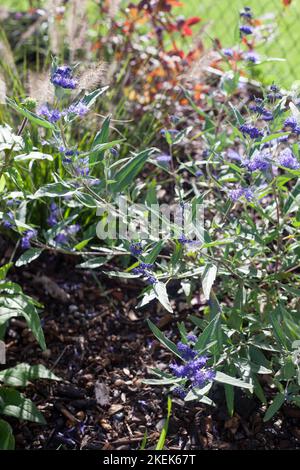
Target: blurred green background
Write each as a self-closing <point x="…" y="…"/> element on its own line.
<point x="220" y="19"/>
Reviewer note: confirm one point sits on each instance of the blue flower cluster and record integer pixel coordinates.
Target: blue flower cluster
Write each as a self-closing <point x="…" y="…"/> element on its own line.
<point x="183" y="240"/>
<point x="63" y="77"/>
<point x="51" y="114"/>
<point x="274" y="94"/>
<point x="80" y="109"/>
<point x="288" y="160"/>
<point x="259" y="161"/>
<point x="251" y="56"/>
<point x="68" y="154"/>
<point x="164" y="158"/>
<point x="228" y="52"/>
<point x="252" y="131"/>
<point x="236" y="194"/>
<point x="26" y="239"/>
<point x="246" y="13"/>
<point x="172" y="132"/>
<point x="260" y="109"/>
<point x="53" y="216"/>
<point x="136" y="249"/>
<point x="8" y="221"/>
<point x="194" y="370"/>
<point x="81" y="166"/>
<point x="62" y="238"/>
<point x="144" y="270"/>
<point x="292" y="123"/>
<point x="246" y="29"/>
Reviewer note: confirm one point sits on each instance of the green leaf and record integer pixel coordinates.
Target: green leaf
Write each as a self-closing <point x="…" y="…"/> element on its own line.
<point x="164" y="432"/>
<point x="151" y="257"/>
<point x="279" y="334"/>
<point x="208" y="278"/>
<point x="229" y="394"/>
<point x="238" y="117"/>
<point x="4" y="270"/>
<point x="275" y="406"/>
<point x="33" y="320"/>
<point x="54" y="189"/>
<point x="15" y="404"/>
<point x="33" y="156"/>
<point x="93" y="263"/>
<point x="29" y="256"/>
<point x="9" y="140"/>
<point x="32" y="117"/>
<point x="91" y="98"/>
<point x="199" y="394"/>
<point x="163" y="339"/>
<point x="130" y="170"/>
<point x="208" y="335"/>
<point x="227" y="379"/>
<point x="166" y="381"/>
<point x="22" y="374"/>
<point x="7" y="440"/>
<point x="100" y="138"/>
<point x="161" y="294"/>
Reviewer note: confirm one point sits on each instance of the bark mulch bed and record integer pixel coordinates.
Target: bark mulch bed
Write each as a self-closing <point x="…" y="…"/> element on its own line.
<point x="102" y="349"/>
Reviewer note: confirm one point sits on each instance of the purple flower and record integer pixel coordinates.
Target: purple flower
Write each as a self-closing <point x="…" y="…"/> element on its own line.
<point x="180" y="392"/>
<point x="80" y="109"/>
<point x="288" y="160"/>
<point x="136" y="249"/>
<point x="185" y="351"/>
<point x="236" y="194"/>
<point x="62" y="77"/>
<point x="26" y="239"/>
<point x="194" y="370"/>
<point x="246" y="29"/>
<point x="151" y="280"/>
<point x="267" y="116"/>
<point x="9" y="220"/>
<point x="82" y="166"/>
<point x="164" y="158"/>
<point x="203" y="376"/>
<point x="52" y="219"/>
<point x="191" y="337"/>
<point x="246" y="13"/>
<point x="73" y="229"/>
<point x="274" y="94"/>
<point x="143" y="268"/>
<point x="259" y="161"/>
<point x="252" y="131"/>
<point x="146" y="266"/>
<point x="61" y="238"/>
<point x="68" y="154"/>
<point x="52" y="115"/>
<point x="251" y="57"/>
<point x="114" y="152"/>
<point x="234" y="155"/>
<point x="169" y="131"/>
<point x="228" y="52"/>
<point x="291" y="122"/>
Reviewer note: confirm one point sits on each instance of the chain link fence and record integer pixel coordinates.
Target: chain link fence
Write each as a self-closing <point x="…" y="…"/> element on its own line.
<point x="279" y="18"/>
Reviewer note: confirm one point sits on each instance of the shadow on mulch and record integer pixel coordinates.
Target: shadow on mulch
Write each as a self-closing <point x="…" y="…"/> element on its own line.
<point x="102" y="349"/>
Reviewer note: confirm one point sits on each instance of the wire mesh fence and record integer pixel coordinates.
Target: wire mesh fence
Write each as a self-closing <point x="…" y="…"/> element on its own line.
<point x="281" y="19"/>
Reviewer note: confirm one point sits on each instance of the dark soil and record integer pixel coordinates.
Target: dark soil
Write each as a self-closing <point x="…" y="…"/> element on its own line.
<point x="102" y="349"/>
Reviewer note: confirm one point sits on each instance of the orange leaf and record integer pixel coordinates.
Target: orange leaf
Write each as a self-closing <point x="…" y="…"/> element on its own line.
<point x="192" y="21"/>
<point x="174" y="3"/>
